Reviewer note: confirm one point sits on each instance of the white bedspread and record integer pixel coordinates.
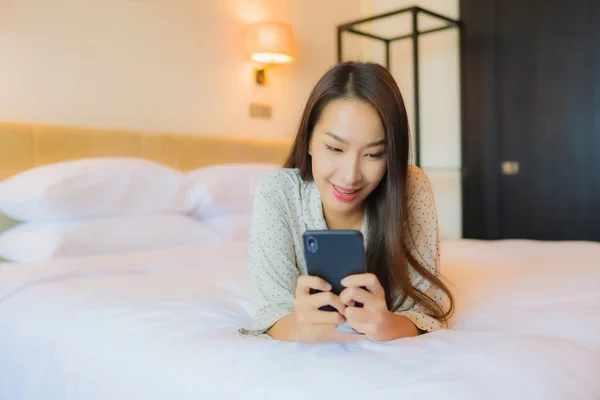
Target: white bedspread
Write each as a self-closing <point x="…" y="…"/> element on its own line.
<point x="164" y="326"/>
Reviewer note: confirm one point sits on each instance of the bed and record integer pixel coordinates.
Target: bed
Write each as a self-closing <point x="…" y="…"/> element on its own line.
<point x="162" y="323"/>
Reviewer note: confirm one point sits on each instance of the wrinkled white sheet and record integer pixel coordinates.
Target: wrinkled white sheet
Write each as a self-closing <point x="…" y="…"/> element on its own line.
<point x="163" y="325"/>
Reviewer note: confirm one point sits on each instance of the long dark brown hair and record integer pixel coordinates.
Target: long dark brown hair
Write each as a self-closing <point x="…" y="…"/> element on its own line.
<point x="388" y="255"/>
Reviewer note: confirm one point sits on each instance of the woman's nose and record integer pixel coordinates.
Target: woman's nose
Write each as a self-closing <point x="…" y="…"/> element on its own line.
<point x="352" y="171"/>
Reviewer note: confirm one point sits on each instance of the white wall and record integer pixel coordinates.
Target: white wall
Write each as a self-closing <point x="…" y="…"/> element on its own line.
<point x="158" y="65"/>
<point x="440" y="96"/>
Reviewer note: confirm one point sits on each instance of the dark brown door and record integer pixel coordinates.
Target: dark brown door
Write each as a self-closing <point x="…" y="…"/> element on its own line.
<point x="532" y="126"/>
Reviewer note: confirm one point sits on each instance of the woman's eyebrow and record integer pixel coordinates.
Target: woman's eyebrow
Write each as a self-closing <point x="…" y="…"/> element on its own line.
<point x="339" y="139"/>
<point x="374" y="144"/>
<point x="336" y="137"/>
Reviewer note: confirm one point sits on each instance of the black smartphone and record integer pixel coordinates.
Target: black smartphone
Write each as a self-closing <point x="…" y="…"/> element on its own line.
<point x="333" y="255"/>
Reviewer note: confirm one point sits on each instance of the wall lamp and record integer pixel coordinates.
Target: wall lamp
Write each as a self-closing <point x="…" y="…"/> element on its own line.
<point x="269" y="43"/>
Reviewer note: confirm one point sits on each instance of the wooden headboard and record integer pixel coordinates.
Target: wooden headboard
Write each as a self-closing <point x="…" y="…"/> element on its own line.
<point x="24" y="146"/>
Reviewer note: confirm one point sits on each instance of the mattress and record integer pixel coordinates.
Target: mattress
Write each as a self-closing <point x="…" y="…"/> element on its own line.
<point x="163" y="325"/>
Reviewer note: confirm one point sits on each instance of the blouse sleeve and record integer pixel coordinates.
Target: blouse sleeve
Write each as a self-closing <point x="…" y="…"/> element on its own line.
<point x="273" y="270"/>
<point x="423" y="242"/>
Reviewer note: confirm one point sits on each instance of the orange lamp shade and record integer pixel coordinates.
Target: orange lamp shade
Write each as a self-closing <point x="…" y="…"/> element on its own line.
<point x="270" y="42"/>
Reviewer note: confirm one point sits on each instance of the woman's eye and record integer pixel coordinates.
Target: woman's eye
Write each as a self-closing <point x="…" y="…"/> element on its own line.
<point x="377" y="155"/>
<point x="334" y="149"/>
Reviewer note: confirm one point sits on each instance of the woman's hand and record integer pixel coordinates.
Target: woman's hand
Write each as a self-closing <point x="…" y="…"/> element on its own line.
<point x="374" y="320"/>
<point x="312" y="324"/>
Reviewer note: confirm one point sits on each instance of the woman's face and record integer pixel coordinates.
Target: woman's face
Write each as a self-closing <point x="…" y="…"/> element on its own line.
<point x="348" y="155"/>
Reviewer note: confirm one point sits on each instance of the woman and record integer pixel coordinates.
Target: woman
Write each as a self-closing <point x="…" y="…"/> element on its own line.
<point x="348" y="169"/>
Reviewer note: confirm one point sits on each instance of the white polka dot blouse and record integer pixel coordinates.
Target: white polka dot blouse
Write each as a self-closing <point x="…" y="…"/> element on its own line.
<point x="285" y="207"/>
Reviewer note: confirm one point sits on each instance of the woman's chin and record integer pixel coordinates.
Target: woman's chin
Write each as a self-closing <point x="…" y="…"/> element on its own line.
<point x="341" y="207"/>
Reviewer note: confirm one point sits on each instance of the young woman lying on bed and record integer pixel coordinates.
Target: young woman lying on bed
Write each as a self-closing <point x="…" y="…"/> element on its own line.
<point x="348" y="169"/>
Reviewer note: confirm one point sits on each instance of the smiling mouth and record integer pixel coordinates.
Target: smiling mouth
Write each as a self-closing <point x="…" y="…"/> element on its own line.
<point x="344" y="194"/>
<point x="345" y="190"/>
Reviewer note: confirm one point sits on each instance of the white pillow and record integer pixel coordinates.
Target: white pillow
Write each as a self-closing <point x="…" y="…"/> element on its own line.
<point x="34" y="242"/>
<point x="231" y="228"/>
<point x="226" y="189"/>
<point x="93" y="187"/>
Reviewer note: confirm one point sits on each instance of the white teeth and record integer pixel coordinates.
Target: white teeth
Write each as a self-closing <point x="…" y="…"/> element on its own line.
<point x="342" y="191"/>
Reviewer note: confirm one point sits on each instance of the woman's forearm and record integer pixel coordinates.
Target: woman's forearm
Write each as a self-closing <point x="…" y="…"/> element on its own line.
<point x="396" y="327"/>
<point x="284" y="329"/>
<point x="288" y="330"/>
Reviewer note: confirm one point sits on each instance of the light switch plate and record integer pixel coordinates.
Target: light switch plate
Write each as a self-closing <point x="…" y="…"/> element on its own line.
<point x="257" y="110"/>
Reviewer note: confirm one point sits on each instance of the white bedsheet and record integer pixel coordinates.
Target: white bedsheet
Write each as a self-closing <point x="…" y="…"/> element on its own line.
<point x="163" y="325"/>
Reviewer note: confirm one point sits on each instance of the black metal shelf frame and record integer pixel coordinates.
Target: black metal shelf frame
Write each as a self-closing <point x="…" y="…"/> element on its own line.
<point x="351" y="27"/>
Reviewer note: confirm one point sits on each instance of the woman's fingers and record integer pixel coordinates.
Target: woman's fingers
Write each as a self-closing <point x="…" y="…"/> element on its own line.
<point x="318" y="300"/>
<point x="356" y="314"/>
<point x="368" y="281"/>
<point x="352" y="295"/>
<point x="307" y="282"/>
<point x="314" y="324"/>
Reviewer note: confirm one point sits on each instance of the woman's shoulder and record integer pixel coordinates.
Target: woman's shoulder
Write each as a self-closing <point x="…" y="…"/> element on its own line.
<point x="278" y="179"/>
<point x="421" y="207"/>
<point x="422" y="220"/>
<point x="281" y="184"/>
<point x="418" y="183"/>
